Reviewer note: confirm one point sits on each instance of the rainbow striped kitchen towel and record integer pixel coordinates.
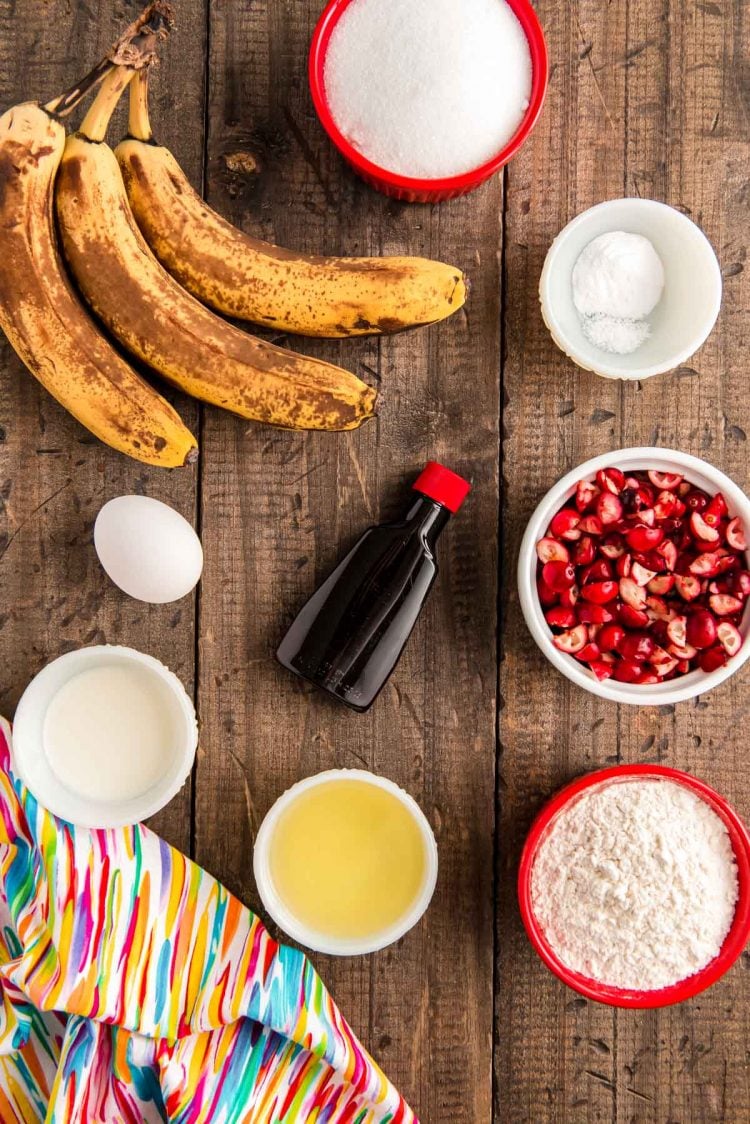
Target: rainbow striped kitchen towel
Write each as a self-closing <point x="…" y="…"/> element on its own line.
<point x="135" y="989"/>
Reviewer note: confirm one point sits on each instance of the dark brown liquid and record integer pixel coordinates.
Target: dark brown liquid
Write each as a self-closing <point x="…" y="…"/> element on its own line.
<point x="349" y="636"/>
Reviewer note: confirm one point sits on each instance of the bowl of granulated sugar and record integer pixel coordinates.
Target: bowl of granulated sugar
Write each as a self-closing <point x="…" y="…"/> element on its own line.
<point x="634" y="886"/>
<point x="426" y="99"/>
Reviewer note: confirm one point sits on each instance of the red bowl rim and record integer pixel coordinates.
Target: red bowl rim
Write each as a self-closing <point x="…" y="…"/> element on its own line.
<point x="539" y="76"/>
<point x="736" y="938"/>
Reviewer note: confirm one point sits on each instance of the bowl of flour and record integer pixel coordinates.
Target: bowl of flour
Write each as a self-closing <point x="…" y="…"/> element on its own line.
<point x="634" y="886"/>
<point x="630" y="288"/>
<point x="427" y="99"/>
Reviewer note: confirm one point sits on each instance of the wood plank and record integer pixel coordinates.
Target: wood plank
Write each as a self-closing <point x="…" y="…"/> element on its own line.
<point x="635" y="91"/>
<point x="53" y="476"/>
<point x="279" y="509"/>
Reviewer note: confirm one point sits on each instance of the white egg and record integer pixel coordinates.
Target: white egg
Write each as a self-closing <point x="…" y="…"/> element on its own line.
<point x="148" y="549"/>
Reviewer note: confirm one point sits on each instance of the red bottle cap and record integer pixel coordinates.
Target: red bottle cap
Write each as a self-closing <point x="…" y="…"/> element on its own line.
<point x="442" y="486"/>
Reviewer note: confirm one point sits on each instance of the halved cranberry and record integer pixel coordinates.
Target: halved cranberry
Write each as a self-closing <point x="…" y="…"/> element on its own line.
<point x="612" y="545"/>
<point x="665" y="667"/>
<point x="550" y="550"/>
<point x="735" y="534"/>
<point x="668" y="551"/>
<point x="608" y="508"/>
<point x="611" y="480"/>
<point x="632" y="593"/>
<point x="703" y="546"/>
<point x="702" y="530"/>
<point x="683" y="667"/>
<point x="601" y="669"/>
<point x="559" y="575"/>
<point x="564" y="525"/>
<point x="636" y="646"/>
<point x="677" y="631"/>
<point x="723" y="605"/>
<point x="696" y="500"/>
<point x="624" y="565"/>
<point x="591" y="525"/>
<point x="626" y="671"/>
<point x="610" y="637"/>
<point x="713" y="658"/>
<point x="589" y="652"/>
<point x="705" y="565"/>
<point x="645" y="517"/>
<point x="560" y="617"/>
<point x="600" y="592"/>
<point x="741" y="584"/>
<point x="589" y="613"/>
<point x="661" y="584"/>
<point x="586" y="493"/>
<point x="728" y="563"/>
<point x="659" y="656"/>
<point x="657" y="609"/>
<point x="640" y="574"/>
<point x="647" y="677"/>
<point x="687" y="586"/>
<point x="632" y="618"/>
<point x="569" y="596"/>
<point x="665" y="480"/>
<point x="584" y="552"/>
<point x="730" y="637"/>
<point x="717" y="509"/>
<point x="701" y="629"/>
<point x="573" y="640"/>
<point x="683" y="651"/>
<point x="599" y="571"/>
<point x="547" y="596"/>
<point x="644" y="538"/>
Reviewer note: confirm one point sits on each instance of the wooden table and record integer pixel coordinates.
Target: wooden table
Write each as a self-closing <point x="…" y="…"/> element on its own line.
<point x="647" y="97"/>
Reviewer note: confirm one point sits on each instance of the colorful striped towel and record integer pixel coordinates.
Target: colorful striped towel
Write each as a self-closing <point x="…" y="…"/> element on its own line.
<point x="136" y="989"/>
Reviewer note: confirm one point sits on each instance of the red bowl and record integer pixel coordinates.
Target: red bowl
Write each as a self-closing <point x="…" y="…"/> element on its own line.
<point x="407" y="188"/>
<point x="737" y="936"/>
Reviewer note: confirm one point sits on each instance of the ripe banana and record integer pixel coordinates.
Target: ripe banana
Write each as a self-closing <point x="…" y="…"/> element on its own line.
<point x="243" y="277"/>
<point x="45" y="321"/>
<point x="156" y="319"/>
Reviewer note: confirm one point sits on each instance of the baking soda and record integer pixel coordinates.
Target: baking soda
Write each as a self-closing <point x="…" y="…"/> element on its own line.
<point x="618" y="281"/>
<point x="428" y="88"/>
<point x="635" y="884"/>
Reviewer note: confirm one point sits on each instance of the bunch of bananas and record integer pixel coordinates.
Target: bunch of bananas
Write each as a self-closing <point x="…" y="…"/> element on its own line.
<point x="149" y="257"/>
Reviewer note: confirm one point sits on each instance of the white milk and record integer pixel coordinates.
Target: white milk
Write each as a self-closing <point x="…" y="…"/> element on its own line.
<point x="109" y="732"/>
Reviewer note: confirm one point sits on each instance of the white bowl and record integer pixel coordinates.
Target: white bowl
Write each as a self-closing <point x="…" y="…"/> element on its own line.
<point x="30" y="763"/>
<point x="686" y="313"/>
<point x="698" y="472"/>
<point x="324" y="942"/>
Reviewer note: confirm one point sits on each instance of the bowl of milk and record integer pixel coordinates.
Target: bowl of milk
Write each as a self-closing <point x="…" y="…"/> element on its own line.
<point x="104" y="736"/>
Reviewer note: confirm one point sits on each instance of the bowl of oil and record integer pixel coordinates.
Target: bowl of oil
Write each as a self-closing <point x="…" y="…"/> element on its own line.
<point x="345" y="862"/>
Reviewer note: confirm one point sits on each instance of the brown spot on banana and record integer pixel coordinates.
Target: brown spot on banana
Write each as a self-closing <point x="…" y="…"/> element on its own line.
<point x="45" y="321"/>
<point x="161" y="323"/>
<point x="253" y="280"/>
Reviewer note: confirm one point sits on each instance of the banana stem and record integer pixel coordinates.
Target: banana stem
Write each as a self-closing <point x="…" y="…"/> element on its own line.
<point x="135" y="49"/>
<point x="139" y="125"/>
<point x="96" y="122"/>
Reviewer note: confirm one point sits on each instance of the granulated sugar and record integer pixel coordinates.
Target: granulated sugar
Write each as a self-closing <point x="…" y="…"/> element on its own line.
<point x="428" y="88"/>
<point x="636" y="884"/>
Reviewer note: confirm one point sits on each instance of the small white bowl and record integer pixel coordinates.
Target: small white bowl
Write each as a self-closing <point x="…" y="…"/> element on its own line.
<point x="30" y="763"/>
<point x="324" y="942"/>
<point x="698" y="472"/>
<point x="686" y="313"/>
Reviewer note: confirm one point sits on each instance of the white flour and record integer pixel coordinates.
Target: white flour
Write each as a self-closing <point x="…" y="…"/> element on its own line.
<point x="635" y="884"/>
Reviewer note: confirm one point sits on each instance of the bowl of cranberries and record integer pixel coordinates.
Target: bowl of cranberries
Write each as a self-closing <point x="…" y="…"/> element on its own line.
<point x="634" y="577"/>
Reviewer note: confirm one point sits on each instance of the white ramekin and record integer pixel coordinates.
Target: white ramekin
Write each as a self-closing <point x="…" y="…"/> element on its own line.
<point x="29" y="760"/>
<point x="686" y="313"/>
<point x="324" y="942"/>
<point x="698" y="472"/>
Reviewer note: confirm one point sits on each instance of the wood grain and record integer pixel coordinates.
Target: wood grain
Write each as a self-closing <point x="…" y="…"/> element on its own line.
<point x="646" y="98"/>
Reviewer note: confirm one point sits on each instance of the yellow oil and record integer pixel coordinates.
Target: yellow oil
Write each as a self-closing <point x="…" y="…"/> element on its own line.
<point x="347" y="859"/>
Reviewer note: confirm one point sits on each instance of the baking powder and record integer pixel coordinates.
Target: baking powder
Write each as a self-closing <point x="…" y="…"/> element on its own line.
<point x="635" y="884"/>
<point x="617" y="281"/>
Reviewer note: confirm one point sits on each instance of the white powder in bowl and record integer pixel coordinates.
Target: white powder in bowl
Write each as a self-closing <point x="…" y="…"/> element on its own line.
<point x="635" y="884"/>
<point x="428" y="88"/>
